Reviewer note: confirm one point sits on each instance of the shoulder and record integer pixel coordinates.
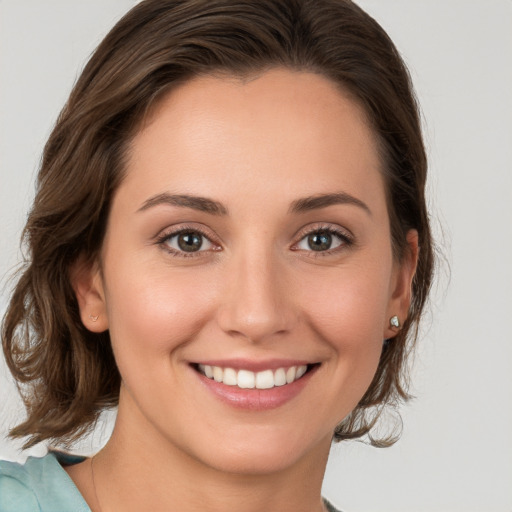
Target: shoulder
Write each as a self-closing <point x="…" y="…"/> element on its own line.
<point x="38" y="485"/>
<point x="16" y="494"/>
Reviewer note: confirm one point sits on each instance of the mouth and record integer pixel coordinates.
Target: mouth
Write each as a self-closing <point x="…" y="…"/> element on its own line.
<point x="246" y="379"/>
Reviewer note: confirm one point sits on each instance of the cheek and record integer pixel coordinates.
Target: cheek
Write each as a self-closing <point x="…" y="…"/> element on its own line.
<point x="348" y="308"/>
<point x="152" y="312"/>
<point x="347" y="311"/>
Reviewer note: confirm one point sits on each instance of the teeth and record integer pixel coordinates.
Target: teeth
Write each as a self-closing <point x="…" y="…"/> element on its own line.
<point x="246" y="379"/>
<point x="301" y="370"/>
<point x="207" y="370"/>
<point x="290" y="374"/>
<point x="218" y="374"/>
<point x="230" y="377"/>
<point x="265" y="380"/>
<point x="280" y="377"/>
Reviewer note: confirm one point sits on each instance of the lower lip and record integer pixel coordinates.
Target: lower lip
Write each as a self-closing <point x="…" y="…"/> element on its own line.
<point x="256" y="399"/>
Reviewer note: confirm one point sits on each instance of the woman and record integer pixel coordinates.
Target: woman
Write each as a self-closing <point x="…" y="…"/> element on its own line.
<point x="225" y="244"/>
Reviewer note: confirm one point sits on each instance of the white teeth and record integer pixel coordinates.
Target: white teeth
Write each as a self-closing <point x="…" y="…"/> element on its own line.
<point x="265" y="379"/>
<point x="246" y="379"/>
<point x="290" y="374"/>
<point x="208" y="371"/>
<point x="230" y="377"/>
<point x="280" y="377"/>
<point x="301" y="370"/>
<point x="218" y="373"/>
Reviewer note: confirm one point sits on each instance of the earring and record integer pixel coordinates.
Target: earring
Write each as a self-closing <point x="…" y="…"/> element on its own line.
<point x="94" y="318"/>
<point x="394" y="322"/>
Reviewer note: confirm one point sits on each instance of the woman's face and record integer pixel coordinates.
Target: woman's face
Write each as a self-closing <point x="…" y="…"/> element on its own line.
<point x="249" y="239"/>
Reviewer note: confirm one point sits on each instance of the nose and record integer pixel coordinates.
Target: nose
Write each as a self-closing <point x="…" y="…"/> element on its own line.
<point x="257" y="303"/>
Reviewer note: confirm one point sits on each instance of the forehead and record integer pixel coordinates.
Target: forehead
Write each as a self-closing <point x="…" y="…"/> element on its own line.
<point x="214" y="134"/>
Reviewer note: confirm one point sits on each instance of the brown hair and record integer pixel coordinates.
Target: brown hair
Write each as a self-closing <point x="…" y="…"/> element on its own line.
<point x="66" y="374"/>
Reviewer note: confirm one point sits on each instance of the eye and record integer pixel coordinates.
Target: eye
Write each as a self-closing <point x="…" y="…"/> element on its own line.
<point x="324" y="240"/>
<point x="186" y="242"/>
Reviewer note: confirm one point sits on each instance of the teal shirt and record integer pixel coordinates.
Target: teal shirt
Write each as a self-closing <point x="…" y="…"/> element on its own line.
<point x="42" y="485"/>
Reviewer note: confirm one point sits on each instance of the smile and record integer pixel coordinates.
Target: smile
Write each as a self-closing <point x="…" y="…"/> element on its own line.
<point x="246" y="379"/>
<point x="255" y="385"/>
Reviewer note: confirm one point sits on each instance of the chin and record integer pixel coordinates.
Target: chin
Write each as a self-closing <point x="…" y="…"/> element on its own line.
<point x="260" y="453"/>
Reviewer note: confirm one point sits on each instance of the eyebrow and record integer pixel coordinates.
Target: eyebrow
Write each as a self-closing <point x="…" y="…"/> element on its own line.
<point x="207" y="205"/>
<point x="202" y="204"/>
<point x="315" y="202"/>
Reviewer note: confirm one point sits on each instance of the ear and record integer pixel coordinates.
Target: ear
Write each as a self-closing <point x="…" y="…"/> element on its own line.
<point x="87" y="283"/>
<point x="401" y="286"/>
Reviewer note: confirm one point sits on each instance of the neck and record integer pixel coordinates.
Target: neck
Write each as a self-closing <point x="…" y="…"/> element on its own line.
<point x="140" y="470"/>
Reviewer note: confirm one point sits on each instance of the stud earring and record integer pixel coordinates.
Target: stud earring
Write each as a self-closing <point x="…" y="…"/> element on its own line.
<point x="394" y="322"/>
<point x="94" y="318"/>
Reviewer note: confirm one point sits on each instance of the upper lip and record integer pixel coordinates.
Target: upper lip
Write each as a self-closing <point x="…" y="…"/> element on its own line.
<point x="253" y="365"/>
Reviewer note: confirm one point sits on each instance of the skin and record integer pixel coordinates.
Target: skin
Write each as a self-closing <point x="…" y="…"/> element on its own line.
<point x="256" y="291"/>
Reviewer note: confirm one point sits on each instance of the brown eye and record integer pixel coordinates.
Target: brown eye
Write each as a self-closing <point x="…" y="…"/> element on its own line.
<point x="320" y="241"/>
<point x="188" y="241"/>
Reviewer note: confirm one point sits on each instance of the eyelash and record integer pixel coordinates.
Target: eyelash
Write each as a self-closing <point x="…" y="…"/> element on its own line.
<point x="346" y="239"/>
<point x="166" y="236"/>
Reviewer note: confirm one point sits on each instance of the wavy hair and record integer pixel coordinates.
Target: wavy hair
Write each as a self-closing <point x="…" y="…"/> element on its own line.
<point x="68" y="375"/>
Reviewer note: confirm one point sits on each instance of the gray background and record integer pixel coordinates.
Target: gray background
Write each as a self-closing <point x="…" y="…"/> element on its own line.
<point x="456" y="450"/>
